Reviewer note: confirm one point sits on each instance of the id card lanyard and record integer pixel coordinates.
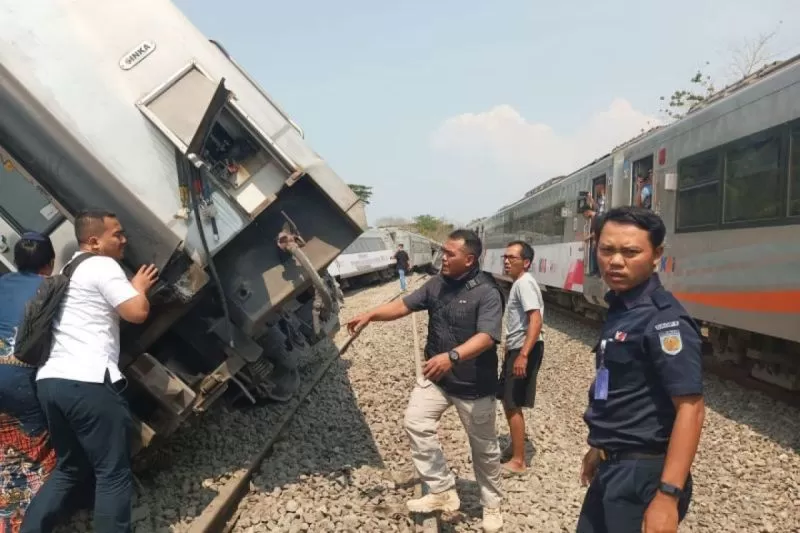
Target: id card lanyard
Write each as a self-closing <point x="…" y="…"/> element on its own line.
<point x="601" y="380"/>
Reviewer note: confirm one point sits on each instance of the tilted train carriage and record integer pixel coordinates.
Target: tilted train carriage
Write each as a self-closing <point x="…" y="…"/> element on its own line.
<point x="128" y="107"/>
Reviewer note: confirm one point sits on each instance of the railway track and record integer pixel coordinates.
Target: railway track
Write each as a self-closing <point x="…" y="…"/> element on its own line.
<point x="221" y="515"/>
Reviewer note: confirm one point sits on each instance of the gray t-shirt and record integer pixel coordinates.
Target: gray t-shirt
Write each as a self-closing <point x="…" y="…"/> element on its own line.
<point x="525" y="296"/>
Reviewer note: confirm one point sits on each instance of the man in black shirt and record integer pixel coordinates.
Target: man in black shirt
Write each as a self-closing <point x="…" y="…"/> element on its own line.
<point x="646" y="407"/>
<point x="465" y="310"/>
<point x="403" y="263"/>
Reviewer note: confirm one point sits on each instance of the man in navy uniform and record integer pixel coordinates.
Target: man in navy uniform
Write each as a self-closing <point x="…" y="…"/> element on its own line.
<point x="646" y="407"/>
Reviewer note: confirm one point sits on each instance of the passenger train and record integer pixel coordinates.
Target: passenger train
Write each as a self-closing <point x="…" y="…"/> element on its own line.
<point x="726" y="181"/>
<point x="370" y="257"/>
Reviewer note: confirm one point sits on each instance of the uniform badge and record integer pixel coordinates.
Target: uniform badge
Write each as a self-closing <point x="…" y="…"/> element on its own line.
<point x="620" y="336"/>
<point x="671" y="342"/>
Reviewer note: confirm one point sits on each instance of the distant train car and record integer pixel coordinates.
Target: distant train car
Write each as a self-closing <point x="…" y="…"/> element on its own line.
<point x="369" y="258"/>
<point x="726" y="181"/>
<point x="421" y="250"/>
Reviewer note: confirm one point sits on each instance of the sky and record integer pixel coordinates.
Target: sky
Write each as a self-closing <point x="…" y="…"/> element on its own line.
<point x="455" y="108"/>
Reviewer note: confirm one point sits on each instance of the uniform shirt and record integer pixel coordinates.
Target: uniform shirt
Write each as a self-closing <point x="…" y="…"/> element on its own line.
<point x="458" y="310"/>
<point x="86" y="334"/>
<point x="525" y="296"/>
<point x="16" y="288"/>
<point x="653" y="352"/>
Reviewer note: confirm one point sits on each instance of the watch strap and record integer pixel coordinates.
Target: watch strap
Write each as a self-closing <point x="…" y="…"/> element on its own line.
<point x="670" y="490"/>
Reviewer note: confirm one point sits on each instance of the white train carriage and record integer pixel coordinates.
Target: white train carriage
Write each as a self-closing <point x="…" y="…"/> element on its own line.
<point x="369" y="258"/>
<point x="726" y="181"/>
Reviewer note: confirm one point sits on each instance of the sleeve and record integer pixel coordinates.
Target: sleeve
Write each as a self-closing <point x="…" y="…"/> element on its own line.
<point x="112" y="283"/>
<point x="420" y="299"/>
<point x="490" y="315"/>
<point x="528" y="295"/>
<point x="676" y="351"/>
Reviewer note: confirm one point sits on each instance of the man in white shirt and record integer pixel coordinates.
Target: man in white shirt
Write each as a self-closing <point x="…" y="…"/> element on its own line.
<point x="80" y="385"/>
<point x="524" y="349"/>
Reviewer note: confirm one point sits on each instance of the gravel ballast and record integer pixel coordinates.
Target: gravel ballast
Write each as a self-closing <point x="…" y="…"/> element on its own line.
<point x="343" y="462"/>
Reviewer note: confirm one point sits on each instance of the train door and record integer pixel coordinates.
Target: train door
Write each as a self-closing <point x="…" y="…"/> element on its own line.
<point x="23" y="207"/>
<point x="599" y="194"/>
<point x="642" y="187"/>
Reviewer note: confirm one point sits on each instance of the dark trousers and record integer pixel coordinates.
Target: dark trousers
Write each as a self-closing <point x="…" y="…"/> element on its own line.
<point x="90" y="430"/>
<point x="619" y="495"/>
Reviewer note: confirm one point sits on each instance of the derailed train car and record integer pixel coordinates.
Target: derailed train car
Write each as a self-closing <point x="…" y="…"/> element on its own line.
<point x="130" y="108"/>
<point x="726" y="181"/>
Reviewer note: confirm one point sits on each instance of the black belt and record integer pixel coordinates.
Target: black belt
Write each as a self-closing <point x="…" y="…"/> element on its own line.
<point x="607" y="455"/>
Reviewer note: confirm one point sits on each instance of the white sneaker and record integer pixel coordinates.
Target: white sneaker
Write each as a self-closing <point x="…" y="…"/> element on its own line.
<point x="492" y="519"/>
<point x="442" y="501"/>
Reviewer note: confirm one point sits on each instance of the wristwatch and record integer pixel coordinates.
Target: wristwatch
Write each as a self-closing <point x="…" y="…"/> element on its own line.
<point x="454" y="357"/>
<point x="670" y="490"/>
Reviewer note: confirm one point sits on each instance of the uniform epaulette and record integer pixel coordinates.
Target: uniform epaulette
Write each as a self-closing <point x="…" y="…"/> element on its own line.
<point x="662" y="299"/>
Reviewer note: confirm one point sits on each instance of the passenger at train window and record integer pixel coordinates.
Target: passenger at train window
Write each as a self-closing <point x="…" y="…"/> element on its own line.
<point x="646" y="408"/>
<point x="80" y="385"/>
<point x="597" y="207"/>
<point x="524" y="349"/>
<point x="644" y="189"/>
<point x="465" y="310"/>
<point x="27" y="457"/>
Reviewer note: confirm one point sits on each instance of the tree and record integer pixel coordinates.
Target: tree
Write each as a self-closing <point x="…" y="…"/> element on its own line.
<point x="364" y="192"/>
<point x="426" y="224"/>
<point x="746" y="58"/>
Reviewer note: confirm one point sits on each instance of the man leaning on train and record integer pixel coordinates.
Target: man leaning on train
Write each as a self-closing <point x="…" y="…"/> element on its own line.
<point x="646" y="408"/>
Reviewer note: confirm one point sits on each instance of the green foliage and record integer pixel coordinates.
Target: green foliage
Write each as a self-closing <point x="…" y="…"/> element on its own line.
<point x="364" y="192"/>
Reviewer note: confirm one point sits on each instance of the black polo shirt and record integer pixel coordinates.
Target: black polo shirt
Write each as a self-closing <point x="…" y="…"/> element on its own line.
<point x="652" y="353"/>
<point x="458" y="310"/>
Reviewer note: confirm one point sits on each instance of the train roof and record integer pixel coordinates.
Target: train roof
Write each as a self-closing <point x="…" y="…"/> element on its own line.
<point x="718" y="96"/>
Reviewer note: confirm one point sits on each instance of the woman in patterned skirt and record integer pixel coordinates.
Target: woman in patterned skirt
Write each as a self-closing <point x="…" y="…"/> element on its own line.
<point x="26" y="457"/>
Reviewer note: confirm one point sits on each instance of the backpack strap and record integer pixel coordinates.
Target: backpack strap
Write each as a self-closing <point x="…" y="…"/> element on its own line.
<point x="70" y="267"/>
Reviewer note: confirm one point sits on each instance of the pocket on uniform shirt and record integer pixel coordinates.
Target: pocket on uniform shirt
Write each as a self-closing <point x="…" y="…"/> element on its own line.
<point x="620" y="353"/>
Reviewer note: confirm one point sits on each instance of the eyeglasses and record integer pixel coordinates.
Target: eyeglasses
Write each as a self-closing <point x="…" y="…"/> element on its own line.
<point x="511" y="257"/>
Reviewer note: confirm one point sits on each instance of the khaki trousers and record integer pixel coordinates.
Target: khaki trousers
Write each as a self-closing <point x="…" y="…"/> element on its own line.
<point x="425" y="409"/>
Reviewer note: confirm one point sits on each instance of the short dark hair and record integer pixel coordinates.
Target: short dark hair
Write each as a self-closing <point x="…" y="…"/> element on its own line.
<point x="33" y="252"/>
<point x="527" y="249"/>
<point x="90" y="223"/>
<point x="638" y="216"/>
<point x="471" y="241"/>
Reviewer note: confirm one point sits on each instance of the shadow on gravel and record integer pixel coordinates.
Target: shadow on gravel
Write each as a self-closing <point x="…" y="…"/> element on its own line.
<point x="328" y="437"/>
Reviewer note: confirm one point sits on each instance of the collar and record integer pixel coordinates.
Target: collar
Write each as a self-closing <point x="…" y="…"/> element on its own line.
<point x="469" y="275"/>
<point x="636" y="295"/>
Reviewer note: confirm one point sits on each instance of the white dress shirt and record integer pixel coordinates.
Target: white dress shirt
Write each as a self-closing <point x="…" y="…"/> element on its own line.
<point x="86" y="335"/>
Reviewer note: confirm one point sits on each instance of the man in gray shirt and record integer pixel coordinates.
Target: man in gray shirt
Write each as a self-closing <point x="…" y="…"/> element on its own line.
<point x="524" y="348"/>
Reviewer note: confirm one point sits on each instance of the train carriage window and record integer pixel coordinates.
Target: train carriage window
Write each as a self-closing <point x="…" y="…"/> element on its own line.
<point x="794" y="175"/>
<point x="753" y="180"/>
<point x="698" y="191"/>
<point x="22" y="204"/>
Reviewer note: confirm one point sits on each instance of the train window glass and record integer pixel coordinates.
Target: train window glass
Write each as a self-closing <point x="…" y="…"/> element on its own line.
<point x="794" y="176"/>
<point x="22" y="203"/>
<point x="753" y="181"/>
<point x="698" y="191"/>
<point x="698" y="206"/>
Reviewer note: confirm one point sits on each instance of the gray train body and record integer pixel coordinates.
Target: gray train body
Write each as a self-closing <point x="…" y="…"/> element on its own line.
<point x="726" y="181"/>
<point x="126" y="107"/>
